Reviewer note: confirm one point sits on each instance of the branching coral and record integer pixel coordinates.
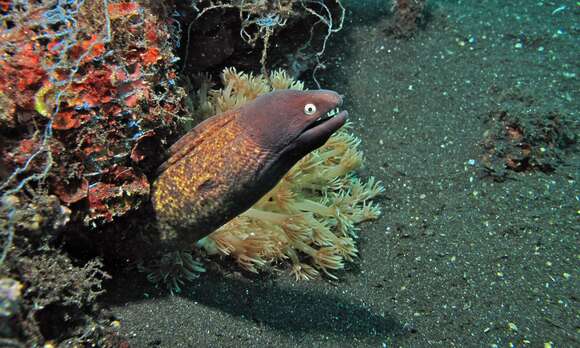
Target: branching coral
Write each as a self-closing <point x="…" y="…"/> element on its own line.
<point x="309" y="218"/>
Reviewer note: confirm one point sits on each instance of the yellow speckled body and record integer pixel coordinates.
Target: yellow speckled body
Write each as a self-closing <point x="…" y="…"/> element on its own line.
<point x="199" y="190"/>
<point x="227" y="163"/>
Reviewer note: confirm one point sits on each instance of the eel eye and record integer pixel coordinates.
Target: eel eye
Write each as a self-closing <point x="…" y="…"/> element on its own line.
<point x="309" y="109"/>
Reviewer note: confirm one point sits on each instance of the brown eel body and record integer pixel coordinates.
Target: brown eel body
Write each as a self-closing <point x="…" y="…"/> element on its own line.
<point x="227" y="163"/>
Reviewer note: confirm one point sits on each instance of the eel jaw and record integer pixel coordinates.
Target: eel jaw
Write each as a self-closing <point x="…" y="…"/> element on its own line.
<point x="323" y="118"/>
<point x="319" y="130"/>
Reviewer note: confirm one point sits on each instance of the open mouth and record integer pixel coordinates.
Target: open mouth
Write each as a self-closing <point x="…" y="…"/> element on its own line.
<point x="322" y="119"/>
<point x="318" y="131"/>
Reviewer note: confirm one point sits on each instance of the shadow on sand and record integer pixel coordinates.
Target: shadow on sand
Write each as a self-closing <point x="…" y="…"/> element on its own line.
<point x="294" y="310"/>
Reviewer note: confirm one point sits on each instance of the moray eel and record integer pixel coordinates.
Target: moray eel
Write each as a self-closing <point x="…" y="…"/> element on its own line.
<point x="227" y="163"/>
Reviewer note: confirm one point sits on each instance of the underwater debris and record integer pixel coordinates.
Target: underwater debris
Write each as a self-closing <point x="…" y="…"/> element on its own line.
<point x="523" y="136"/>
<point x="254" y="34"/>
<point x="409" y="15"/>
<point x="310" y="217"/>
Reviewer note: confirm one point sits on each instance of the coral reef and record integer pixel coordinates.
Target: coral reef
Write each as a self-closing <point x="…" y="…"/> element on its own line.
<point x="88" y="93"/>
<point x="310" y="216"/>
<point x="10" y="296"/>
<point x="82" y="84"/>
<point x="53" y="301"/>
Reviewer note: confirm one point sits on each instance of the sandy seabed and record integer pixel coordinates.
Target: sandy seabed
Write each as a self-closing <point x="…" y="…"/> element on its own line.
<point x="462" y="256"/>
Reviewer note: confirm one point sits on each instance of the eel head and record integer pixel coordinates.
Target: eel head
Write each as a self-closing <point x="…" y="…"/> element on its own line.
<point x="291" y="123"/>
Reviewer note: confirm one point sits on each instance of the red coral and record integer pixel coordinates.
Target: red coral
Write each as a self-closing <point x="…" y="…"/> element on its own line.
<point x="151" y="33"/>
<point x="25" y="149"/>
<point x="92" y="47"/>
<point x="27" y="62"/>
<point x="123" y="9"/>
<point x="5" y="5"/>
<point x="95" y="88"/>
<point x="98" y="88"/>
<point x="107" y="200"/>
<point x="151" y="56"/>
<point x="22" y="153"/>
<point x="73" y="191"/>
<point x="66" y="120"/>
<point x="98" y="195"/>
<point x="21" y="76"/>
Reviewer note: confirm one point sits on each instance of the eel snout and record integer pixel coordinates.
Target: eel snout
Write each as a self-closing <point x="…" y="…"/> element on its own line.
<point x="321" y="127"/>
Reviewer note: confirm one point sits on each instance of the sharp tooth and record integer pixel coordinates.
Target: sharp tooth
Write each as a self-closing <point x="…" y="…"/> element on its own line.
<point x="332" y="113"/>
